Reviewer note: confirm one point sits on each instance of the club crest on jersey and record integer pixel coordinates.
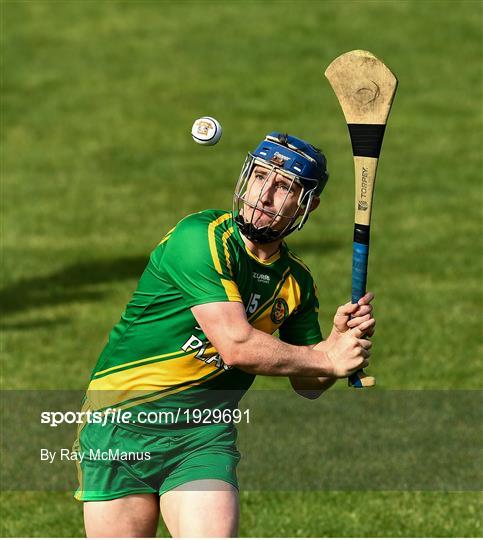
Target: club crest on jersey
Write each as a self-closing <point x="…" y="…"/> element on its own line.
<point x="279" y="311"/>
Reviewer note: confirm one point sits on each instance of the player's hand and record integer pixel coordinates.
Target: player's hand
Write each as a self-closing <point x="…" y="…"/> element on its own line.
<point x="350" y="351"/>
<point x="352" y="315"/>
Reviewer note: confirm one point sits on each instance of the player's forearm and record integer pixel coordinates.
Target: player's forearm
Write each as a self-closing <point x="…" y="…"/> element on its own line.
<point x="262" y="354"/>
<point x="318" y="384"/>
<point x="311" y="387"/>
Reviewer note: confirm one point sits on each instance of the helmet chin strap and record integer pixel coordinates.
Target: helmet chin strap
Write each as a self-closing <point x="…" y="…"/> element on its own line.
<point x="262" y="235"/>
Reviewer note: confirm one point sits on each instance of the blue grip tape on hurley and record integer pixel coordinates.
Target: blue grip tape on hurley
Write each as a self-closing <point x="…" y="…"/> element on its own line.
<point x="359" y="270"/>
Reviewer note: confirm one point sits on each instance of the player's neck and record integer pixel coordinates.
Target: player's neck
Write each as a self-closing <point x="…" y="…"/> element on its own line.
<point x="263" y="251"/>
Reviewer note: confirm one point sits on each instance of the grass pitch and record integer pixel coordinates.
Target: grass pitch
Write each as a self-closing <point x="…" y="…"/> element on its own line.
<point x="97" y="163"/>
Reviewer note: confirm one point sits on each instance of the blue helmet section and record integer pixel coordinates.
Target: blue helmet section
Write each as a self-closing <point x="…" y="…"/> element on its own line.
<point x="296" y="157"/>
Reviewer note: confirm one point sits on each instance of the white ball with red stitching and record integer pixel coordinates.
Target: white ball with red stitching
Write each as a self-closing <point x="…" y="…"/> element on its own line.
<point x="206" y="130"/>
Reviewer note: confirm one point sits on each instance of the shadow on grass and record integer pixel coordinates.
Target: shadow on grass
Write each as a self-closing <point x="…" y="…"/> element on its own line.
<point x="74" y="283"/>
<point x="37" y="323"/>
<point x="83" y="282"/>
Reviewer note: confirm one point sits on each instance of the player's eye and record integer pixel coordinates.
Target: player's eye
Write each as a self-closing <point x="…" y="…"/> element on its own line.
<point x="284" y="188"/>
<point x="259" y="176"/>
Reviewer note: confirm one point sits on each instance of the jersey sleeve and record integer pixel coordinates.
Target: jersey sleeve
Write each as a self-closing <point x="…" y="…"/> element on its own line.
<point x="302" y="326"/>
<point x="197" y="261"/>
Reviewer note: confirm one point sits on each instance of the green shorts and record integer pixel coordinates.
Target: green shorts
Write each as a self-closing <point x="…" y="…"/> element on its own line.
<point x="115" y="461"/>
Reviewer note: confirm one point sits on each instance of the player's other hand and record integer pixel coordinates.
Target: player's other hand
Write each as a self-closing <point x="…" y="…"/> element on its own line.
<point x="350" y="351"/>
<point x="353" y="315"/>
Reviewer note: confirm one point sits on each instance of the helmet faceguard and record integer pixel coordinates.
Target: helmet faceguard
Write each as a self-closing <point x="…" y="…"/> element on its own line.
<point x="300" y="163"/>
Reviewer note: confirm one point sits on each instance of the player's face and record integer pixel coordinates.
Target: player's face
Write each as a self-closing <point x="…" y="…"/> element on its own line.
<point x="270" y="193"/>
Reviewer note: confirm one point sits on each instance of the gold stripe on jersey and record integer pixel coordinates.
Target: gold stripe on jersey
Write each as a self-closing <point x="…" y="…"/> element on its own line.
<point x="302" y="264"/>
<point x="231" y="290"/>
<point x="158" y="395"/>
<point x="295" y="258"/>
<point x="156" y="375"/>
<point x="212" y="240"/>
<point x="291" y="293"/>
<point x="265" y="262"/>
<point x="224" y="239"/>
<point x="135" y="362"/>
<point x="123" y="399"/>
<point x="166" y="236"/>
<point x="230" y="287"/>
<point x="316" y="294"/>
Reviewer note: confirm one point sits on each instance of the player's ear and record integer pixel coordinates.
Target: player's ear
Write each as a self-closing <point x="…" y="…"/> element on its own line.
<point x="315" y="204"/>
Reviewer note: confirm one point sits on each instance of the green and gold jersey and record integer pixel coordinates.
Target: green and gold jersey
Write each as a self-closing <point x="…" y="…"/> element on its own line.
<point x="158" y="358"/>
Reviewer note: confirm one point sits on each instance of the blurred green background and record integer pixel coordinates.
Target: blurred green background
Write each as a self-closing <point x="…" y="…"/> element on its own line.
<point x="97" y="163"/>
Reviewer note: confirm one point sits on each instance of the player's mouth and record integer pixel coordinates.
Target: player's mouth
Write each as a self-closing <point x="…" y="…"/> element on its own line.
<point x="259" y="215"/>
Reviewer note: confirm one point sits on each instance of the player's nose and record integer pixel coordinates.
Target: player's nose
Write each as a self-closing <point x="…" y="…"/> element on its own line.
<point x="268" y="191"/>
<point x="266" y="195"/>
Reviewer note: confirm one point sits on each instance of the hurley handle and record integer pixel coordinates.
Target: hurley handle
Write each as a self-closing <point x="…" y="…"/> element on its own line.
<point x="360" y="256"/>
